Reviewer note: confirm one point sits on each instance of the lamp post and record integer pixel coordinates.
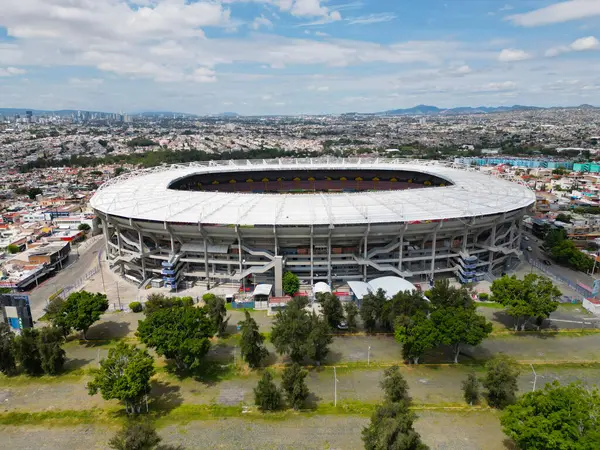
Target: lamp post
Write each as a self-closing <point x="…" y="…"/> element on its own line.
<point x="369" y="356"/>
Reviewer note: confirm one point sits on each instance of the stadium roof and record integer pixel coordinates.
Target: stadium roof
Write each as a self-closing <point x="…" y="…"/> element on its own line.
<point x="145" y="195"/>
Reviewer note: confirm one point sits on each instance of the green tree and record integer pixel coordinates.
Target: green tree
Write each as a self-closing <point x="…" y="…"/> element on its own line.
<point x="155" y="302"/>
<point x="501" y="381"/>
<point x="564" y="218"/>
<point x="351" y="311"/>
<point x="84" y="227"/>
<point x="137" y="435"/>
<point x="252" y="342"/>
<point x="28" y="352"/>
<point x="81" y="310"/>
<point x="119" y="171"/>
<point x="215" y="307"/>
<point x="124" y="375"/>
<point x="291" y="283"/>
<point x="34" y="192"/>
<point x="266" y="395"/>
<point x="290" y="330"/>
<point x="318" y="340"/>
<point x="392" y="427"/>
<point x="403" y="304"/>
<point x="332" y="309"/>
<point x="555" y="418"/>
<point x="417" y="334"/>
<point x="13" y="248"/>
<point x="54" y="314"/>
<point x="294" y="385"/>
<point x="533" y="297"/>
<point x="471" y="389"/>
<point x="394" y="385"/>
<point x="180" y="333"/>
<point x="371" y="309"/>
<point x="7" y="350"/>
<point x="457" y="326"/>
<point x="442" y="295"/>
<point x="52" y="355"/>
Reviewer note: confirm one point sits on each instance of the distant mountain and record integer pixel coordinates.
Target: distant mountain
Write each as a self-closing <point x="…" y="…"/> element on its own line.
<point x="424" y="110"/>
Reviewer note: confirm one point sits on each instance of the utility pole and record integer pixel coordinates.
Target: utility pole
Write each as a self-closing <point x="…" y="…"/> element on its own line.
<point x="335" y="380"/>
<point x="369" y="356"/>
<point x="119" y="297"/>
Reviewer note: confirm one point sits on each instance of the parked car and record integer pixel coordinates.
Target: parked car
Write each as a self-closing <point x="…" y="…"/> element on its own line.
<point x="529" y="249"/>
<point x="526" y="238"/>
<point x="547" y="262"/>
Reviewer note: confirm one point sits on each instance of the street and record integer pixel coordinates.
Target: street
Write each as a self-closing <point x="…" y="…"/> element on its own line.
<point x="68" y="276"/>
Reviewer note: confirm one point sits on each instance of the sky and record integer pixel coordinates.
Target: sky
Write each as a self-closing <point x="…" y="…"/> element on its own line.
<point x="258" y="57"/>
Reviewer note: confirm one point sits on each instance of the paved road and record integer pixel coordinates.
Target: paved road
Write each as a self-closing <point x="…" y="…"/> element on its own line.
<point x="565" y="272"/>
<point x="73" y="272"/>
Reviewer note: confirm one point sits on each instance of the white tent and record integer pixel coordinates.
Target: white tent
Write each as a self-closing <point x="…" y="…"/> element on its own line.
<point x="391" y="286"/>
<point x="321" y="288"/>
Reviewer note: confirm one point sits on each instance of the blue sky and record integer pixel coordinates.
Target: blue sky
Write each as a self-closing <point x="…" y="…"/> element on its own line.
<point x="297" y="56"/>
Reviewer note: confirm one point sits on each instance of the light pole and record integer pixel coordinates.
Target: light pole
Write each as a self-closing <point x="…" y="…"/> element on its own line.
<point x="534" y="377"/>
<point x="369" y="356"/>
<point x="335" y="380"/>
<point x="119" y="297"/>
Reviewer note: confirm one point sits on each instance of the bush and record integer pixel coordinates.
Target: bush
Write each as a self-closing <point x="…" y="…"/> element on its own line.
<point x="484" y="297"/>
<point x="266" y="395"/>
<point x="136" y="307"/>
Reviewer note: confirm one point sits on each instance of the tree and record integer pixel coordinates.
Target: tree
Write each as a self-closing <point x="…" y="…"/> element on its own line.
<point x="442" y="295"/>
<point x="124" y="375"/>
<point x="138" y="436"/>
<point x="215" y="307"/>
<point x="155" y="302"/>
<point x="7" y="350"/>
<point x="34" y="192"/>
<point x="266" y="395"/>
<point x="54" y="313"/>
<point x="180" y="333"/>
<point x="417" y="334"/>
<point x="84" y="227"/>
<point x="563" y="218"/>
<point x="501" y="381"/>
<point x="81" y="310"/>
<point x="391" y="427"/>
<point x="318" y="339"/>
<point x="290" y="330"/>
<point x="27" y="351"/>
<point x="371" y="309"/>
<point x="555" y="418"/>
<point x="471" y="389"/>
<point x="294" y="386"/>
<point x="13" y="248"/>
<point x="394" y="385"/>
<point x="332" y="309"/>
<point x="351" y="311"/>
<point x="52" y="355"/>
<point x="291" y="283"/>
<point x="252" y="342"/>
<point x="457" y="326"/>
<point x="534" y="296"/>
<point x="404" y="304"/>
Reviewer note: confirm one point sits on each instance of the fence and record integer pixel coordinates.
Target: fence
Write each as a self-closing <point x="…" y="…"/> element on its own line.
<point x="546" y="270"/>
<point x="65" y="291"/>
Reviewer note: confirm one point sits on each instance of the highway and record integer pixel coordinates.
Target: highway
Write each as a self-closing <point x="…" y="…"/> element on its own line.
<point x="539" y="254"/>
<point x="76" y="269"/>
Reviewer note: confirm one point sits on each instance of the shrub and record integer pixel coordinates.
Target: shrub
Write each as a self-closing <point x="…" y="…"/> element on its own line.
<point x="484" y="297"/>
<point x="136" y="307"/>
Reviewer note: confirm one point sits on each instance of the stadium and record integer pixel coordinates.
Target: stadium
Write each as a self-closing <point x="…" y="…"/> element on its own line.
<point x="327" y="220"/>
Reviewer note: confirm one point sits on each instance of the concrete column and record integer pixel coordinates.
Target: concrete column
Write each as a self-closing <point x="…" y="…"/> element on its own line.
<point x="278" y="276"/>
<point x="493" y="244"/>
<point x="366" y="256"/>
<point x="106" y="236"/>
<point x="119" y="242"/>
<point x="312" y="278"/>
<point x="143" y="258"/>
<point x="400" y="251"/>
<point x="276" y="243"/>
<point x="433" y="246"/>
<point x="465" y="239"/>
<point x="206" y="274"/>
<point x="329" y="258"/>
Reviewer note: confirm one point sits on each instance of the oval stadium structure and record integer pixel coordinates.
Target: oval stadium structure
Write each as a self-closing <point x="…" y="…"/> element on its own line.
<point x="325" y="219"/>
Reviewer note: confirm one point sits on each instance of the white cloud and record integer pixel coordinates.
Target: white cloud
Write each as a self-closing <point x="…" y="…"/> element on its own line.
<point x="512" y="54"/>
<point x="318" y="88"/>
<point x="580" y="45"/>
<point x="11" y="71"/>
<point x="558" y="13"/>
<point x="372" y="18"/>
<point x="261" y="21"/>
<point x="298" y="8"/>
<point x="501" y="86"/>
<point x="202" y="75"/>
<point x="86" y="82"/>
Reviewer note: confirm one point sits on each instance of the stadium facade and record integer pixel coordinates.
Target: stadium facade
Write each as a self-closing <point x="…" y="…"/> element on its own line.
<point x="325" y="219"/>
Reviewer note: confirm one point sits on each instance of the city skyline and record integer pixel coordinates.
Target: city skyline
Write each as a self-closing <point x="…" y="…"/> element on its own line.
<point x="296" y="56"/>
